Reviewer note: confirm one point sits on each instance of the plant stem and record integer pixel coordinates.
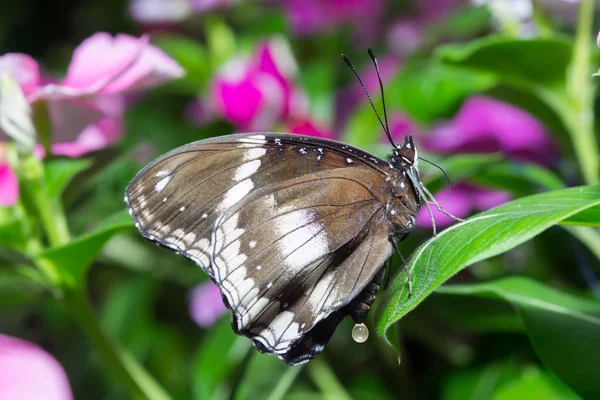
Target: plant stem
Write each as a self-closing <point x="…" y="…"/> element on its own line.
<point x="326" y="381"/>
<point x="579" y="114"/>
<point x="138" y="382"/>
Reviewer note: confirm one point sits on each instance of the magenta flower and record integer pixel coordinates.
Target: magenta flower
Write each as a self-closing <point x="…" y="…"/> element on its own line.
<point x="310" y="17"/>
<point x="206" y="304"/>
<point x="9" y="186"/>
<point x="402" y="125"/>
<point x="310" y="128"/>
<point x="27" y="372"/>
<point x="256" y="93"/>
<point x="486" y="125"/>
<point x="463" y="200"/>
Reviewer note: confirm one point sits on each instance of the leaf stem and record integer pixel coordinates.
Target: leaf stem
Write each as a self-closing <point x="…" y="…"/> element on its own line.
<point x="139" y="383"/>
<point x="578" y="115"/>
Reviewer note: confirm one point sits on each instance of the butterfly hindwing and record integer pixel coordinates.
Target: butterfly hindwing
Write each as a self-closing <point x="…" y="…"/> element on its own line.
<point x="290" y="228"/>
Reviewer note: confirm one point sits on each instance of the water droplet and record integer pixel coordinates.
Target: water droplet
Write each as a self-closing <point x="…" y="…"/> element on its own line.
<point x="360" y="333"/>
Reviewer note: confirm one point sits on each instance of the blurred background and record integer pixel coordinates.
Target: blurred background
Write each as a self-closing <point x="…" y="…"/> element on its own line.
<point x="454" y="78"/>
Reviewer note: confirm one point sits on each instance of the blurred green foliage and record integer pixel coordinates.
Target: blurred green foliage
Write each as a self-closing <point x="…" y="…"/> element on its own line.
<point x="535" y="336"/>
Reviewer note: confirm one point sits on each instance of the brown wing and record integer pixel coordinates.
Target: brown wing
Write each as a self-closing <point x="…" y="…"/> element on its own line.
<point x="290" y="228"/>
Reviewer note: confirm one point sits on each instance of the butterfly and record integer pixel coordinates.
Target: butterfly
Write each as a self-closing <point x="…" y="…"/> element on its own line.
<point x="294" y="230"/>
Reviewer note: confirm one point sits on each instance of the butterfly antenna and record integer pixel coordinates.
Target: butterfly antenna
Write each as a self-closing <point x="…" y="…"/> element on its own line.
<point x="384" y="126"/>
<point x="445" y="174"/>
<point x="385" y="117"/>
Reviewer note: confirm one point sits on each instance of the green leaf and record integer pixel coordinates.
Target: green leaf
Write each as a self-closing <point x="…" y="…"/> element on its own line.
<point x="490" y="170"/>
<point x="535" y="385"/>
<point x="17" y="288"/>
<point x="60" y="171"/>
<point x="484" y="315"/>
<point x="482" y="236"/>
<point x="265" y="375"/>
<point x="11" y="231"/>
<point x="563" y="329"/>
<point x="216" y="359"/>
<point x="589" y="217"/>
<point x="479" y="383"/>
<point x="221" y="41"/>
<point x="520" y="179"/>
<point x="73" y="258"/>
<point x="432" y="91"/>
<point x="191" y="55"/>
<point x="542" y="61"/>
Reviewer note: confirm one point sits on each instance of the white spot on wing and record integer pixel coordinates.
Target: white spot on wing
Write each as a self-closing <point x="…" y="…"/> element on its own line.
<point x="319" y="295"/>
<point x="254" y="153"/>
<point x="305" y="239"/>
<point x="252" y="244"/>
<point x="246" y="169"/>
<point x="160" y="185"/>
<point x="164" y="172"/>
<point x="235" y="194"/>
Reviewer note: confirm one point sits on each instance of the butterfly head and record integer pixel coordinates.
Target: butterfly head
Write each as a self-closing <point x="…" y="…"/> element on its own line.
<point x="407" y="153"/>
<point x="406" y="157"/>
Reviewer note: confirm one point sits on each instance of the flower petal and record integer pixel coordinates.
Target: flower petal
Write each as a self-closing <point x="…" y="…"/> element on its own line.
<point x="249" y="98"/>
<point x="29" y="372"/>
<point x="310" y="128"/>
<point x="103" y="64"/>
<point x="94" y="137"/>
<point x="484" y="124"/>
<point x="484" y="199"/>
<point x="9" y="187"/>
<point x="206" y="304"/>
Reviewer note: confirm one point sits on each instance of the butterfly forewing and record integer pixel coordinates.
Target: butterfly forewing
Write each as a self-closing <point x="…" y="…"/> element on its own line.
<point x="290" y="228"/>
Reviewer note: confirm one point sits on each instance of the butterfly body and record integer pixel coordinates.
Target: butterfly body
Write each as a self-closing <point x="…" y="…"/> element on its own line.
<point x="294" y="230"/>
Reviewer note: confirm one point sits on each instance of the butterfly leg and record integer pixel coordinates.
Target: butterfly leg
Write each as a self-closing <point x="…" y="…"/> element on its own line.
<point x="362" y="303"/>
<point x="404" y="265"/>
<point x="438" y="206"/>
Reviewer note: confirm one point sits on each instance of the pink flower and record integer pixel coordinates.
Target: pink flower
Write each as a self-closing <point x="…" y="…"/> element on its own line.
<point x="484" y="125"/>
<point x="310" y="17"/>
<point x="86" y="108"/>
<point x="96" y="136"/>
<point x="463" y="200"/>
<point x="310" y="128"/>
<point x="402" y="125"/>
<point x="28" y="372"/>
<point x="206" y="304"/>
<point x="104" y="65"/>
<point x="9" y="186"/>
<point x="256" y="93"/>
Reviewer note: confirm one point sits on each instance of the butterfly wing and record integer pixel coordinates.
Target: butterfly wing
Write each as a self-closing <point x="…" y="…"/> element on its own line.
<point x="290" y="228"/>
